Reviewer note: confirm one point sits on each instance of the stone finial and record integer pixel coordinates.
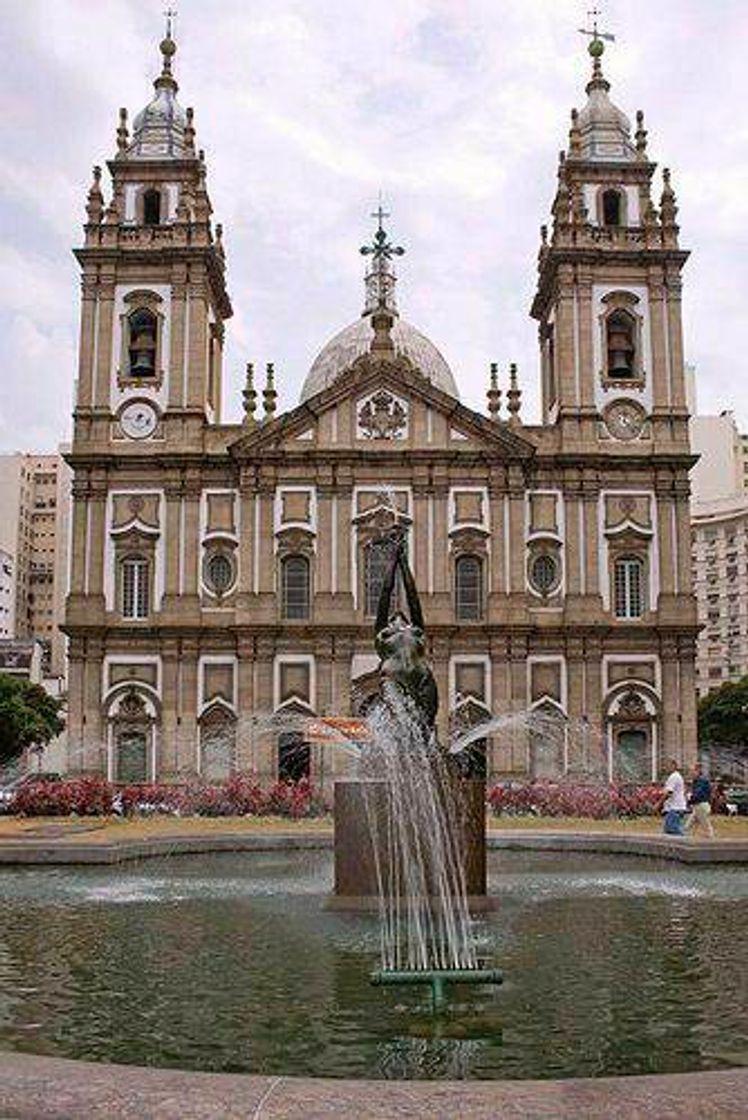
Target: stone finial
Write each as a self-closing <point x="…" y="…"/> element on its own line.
<point x="219" y="241"/>
<point x="269" y="395"/>
<point x="641" y="134"/>
<point x="575" y="136"/>
<point x="95" y="203"/>
<point x="122" y="133"/>
<point x="668" y="208"/>
<point x="249" y="397"/>
<point x="513" y="395"/>
<point x="494" y="392"/>
<point x="189" y="130"/>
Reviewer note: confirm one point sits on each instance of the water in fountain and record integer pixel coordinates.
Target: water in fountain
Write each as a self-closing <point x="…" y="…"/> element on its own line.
<point x="417" y="842"/>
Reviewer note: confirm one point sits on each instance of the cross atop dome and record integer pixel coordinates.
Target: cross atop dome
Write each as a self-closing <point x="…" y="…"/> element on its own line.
<point x="380" y="278"/>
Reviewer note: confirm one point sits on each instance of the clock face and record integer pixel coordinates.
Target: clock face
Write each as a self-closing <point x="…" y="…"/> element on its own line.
<point x="624" y="420"/>
<point x="138" y="420"/>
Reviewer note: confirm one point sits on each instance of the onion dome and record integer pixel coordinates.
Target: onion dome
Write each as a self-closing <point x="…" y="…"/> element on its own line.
<point x="604" y="130"/>
<point x="337" y="356"/>
<point x="159" y="129"/>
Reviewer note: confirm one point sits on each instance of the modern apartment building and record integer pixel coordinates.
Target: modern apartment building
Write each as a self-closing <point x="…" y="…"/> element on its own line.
<point x="34" y="509"/>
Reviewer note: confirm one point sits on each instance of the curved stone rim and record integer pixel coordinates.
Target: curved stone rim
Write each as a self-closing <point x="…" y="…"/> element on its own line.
<point x="55" y="1088"/>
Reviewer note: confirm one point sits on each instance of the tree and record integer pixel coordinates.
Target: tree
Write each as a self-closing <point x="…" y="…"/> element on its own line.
<point x="723" y="716"/>
<point x="29" y="716"/>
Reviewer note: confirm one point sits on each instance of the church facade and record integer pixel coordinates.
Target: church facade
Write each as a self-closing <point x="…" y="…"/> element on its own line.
<point x="222" y="569"/>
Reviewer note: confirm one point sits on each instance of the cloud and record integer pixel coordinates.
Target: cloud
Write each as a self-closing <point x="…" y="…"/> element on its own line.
<point x="456" y="110"/>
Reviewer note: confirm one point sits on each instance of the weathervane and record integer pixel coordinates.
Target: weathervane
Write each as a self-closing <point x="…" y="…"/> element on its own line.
<point x="596" y="46"/>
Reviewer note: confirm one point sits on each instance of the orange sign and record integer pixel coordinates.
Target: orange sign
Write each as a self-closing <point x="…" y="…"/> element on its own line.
<point x="331" y="728"/>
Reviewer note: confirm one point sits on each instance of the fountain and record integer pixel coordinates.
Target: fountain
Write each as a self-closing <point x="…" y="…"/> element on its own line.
<point x="410" y="829"/>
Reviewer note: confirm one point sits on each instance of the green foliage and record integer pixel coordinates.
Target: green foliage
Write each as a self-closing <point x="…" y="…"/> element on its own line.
<point x="28" y="716"/>
<point x="723" y="716"/>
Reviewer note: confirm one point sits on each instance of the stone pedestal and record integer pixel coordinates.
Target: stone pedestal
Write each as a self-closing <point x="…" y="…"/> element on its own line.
<point x="355" y="868"/>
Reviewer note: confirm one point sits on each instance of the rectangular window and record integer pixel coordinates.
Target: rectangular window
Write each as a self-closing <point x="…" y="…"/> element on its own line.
<point x="629" y="588"/>
<point x="135" y="590"/>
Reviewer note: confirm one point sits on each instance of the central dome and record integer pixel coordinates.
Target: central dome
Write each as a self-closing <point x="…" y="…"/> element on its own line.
<point x="353" y="341"/>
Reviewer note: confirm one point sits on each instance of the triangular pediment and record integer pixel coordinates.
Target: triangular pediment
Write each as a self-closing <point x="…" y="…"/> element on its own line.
<point x="383" y="404"/>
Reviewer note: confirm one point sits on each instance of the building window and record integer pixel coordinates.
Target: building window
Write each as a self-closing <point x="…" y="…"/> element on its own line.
<point x="132" y="755"/>
<point x="219" y="572"/>
<point x="135" y="587"/>
<point x="469" y="588"/>
<point x="544" y="573"/>
<point x="377" y="559"/>
<point x="628" y="581"/>
<point x="152" y="208"/>
<point x="295" y="587"/>
<point x="612" y="208"/>
<point x="621" y="345"/>
<point x="294" y="757"/>
<point x="633" y="755"/>
<point x="142" y="327"/>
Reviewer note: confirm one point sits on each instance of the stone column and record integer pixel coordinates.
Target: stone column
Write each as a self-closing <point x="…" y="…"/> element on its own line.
<point x="197" y="340"/>
<point x="76" y="663"/>
<point x="520" y="746"/>
<point x="500" y="761"/>
<point x="93" y="737"/>
<point x="106" y="370"/>
<point x="173" y="535"/>
<point x="178" y="337"/>
<point x="245" y="734"/>
<point x="675" y="326"/>
<point x="565" y="342"/>
<point x="96" y="544"/>
<point x="659" y="372"/>
<point x="588" y="375"/>
<point x="79" y="537"/>
<point x="670" y="738"/>
<point x="266" y="745"/>
<point x="89" y="296"/>
<point x="187" y="738"/>
<point x="167" y="746"/>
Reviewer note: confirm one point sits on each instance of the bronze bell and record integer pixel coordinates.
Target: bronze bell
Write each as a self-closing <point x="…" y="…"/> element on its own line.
<point x="143" y="356"/>
<point x="620" y="353"/>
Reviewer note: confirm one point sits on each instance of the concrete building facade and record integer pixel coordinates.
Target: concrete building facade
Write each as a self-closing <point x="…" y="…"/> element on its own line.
<point x="223" y="569"/>
<point x="34" y="526"/>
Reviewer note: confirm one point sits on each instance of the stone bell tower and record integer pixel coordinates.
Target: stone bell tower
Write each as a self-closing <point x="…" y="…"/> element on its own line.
<point x="609" y="287"/>
<point x="154" y="295"/>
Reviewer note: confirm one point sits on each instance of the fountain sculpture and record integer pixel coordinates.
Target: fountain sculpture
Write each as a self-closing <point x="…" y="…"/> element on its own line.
<point x="410" y="830"/>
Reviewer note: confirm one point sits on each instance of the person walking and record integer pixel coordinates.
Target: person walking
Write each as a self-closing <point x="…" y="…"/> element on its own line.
<point x="700" y="803"/>
<point x="674" y="800"/>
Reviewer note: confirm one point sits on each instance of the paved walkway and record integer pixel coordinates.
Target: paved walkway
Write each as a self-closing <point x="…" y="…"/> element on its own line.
<point x="34" y="1088"/>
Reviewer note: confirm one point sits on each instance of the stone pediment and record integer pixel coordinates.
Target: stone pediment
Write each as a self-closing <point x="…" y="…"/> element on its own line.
<point x="383" y="404"/>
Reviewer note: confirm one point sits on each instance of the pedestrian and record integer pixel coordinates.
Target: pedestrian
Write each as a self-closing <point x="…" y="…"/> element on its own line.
<point x="673" y="800"/>
<point x="700" y="803"/>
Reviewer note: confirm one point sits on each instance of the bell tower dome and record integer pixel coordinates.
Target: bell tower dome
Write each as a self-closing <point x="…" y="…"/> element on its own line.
<point x="608" y="298"/>
<point x="154" y="298"/>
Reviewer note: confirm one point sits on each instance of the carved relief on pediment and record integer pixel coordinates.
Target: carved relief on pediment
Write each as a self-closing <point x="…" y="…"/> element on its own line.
<point x="294" y="540"/>
<point x="382" y="416"/>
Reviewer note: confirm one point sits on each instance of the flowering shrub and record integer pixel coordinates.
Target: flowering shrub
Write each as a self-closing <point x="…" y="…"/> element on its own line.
<point x="86" y="797"/>
<point x="569" y="799"/>
<point x="239" y="796"/>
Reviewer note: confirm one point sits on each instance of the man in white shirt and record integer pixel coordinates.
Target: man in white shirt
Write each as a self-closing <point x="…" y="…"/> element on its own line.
<point x="674" y="800"/>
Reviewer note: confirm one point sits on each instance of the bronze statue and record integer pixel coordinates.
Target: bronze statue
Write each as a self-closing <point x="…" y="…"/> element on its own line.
<point x="401" y="643"/>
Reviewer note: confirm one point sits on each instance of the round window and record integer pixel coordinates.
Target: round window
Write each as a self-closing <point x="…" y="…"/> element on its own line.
<point x="544" y="573"/>
<point x="219" y="572"/>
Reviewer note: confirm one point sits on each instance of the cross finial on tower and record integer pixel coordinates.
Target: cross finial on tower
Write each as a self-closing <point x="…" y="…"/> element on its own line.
<point x="170" y="15"/>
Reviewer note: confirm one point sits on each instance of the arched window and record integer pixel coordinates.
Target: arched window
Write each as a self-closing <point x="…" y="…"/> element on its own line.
<point x="217" y="744"/>
<point x="295" y="587"/>
<point x="142" y="327"/>
<point x="135" y="587"/>
<point x="632" y="759"/>
<point x="628" y="587"/>
<point x="294" y="757"/>
<point x="377" y="557"/>
<point x="469" y="588"/>
<point x="152" y="208"/>
<point x="612" y="208"/>
<point x="621" y="345"/>
<point x="547" y="741"/>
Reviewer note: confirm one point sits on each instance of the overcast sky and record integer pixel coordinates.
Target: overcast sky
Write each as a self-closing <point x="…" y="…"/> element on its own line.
<point x="455" y="109"/>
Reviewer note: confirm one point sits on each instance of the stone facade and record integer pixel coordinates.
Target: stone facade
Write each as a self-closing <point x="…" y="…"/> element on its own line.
<point x="220" y="570"/>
